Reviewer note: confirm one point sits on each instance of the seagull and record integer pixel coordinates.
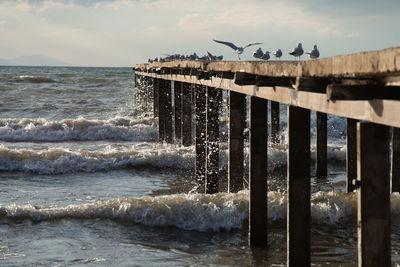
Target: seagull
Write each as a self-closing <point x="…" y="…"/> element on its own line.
<point x="278" y="53"/>
<point x="297" y="51"/>
<point x="258" y="53"/>
<point x="313" y="53"/>
<point x="266" y="55"/>
<point x="238" y="50"/>
<point x="214" y="58"/>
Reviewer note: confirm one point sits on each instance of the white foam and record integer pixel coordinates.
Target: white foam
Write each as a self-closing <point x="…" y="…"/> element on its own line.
<point x="81" y="129"/>
<point x="62" y="160"/>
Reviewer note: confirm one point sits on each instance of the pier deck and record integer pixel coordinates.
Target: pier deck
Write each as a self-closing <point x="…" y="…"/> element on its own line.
<point x="362" y="87"/>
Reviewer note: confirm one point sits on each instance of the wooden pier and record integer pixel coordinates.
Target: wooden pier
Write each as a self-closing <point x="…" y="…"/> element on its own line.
<point x="362" y="87"/>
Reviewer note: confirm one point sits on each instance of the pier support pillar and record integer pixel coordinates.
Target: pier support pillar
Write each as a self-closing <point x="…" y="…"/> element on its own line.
<point x="186" y="114"/>
<point x="212" y="135"/>
<point x="178" y="110"/>
<point x="275" y="122"/>
<point x="200" y="102"/>
<point x="237" y="120"/>
<point x="258" y="212"/>
<point x="322" y="146"/>
<point x="156" y="85"/>
<point x="161" y="110"/>
<point x="351" y="154"/>
<point x="298" y="187"/>
<point x="395" y="173"/>
<point x="373" y="195"/>
<point x="168" y="111"/>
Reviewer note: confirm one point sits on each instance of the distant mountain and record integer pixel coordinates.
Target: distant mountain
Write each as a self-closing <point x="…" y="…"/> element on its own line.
<point x="34" y="60"/>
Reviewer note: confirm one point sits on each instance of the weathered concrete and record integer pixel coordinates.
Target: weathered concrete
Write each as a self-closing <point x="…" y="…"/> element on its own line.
<point x="373" y="195"/>
<point x="298" y="187"/>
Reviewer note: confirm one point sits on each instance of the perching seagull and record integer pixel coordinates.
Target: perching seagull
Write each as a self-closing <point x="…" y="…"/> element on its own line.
<point x="278" y="53"/>
<point x="258" y="53"/>
<point x="297" y="51"/>
<point x="211" y="57"/>
<point x="238" y="50"/>
<point x="313" y="53"/>
<point x="265" y="56"/>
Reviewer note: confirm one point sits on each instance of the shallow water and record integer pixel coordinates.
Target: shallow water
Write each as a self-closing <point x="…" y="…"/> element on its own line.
<point x="83" y="181"/>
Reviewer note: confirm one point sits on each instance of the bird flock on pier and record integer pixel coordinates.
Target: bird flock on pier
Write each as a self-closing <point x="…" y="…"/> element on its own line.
<point x="297" y="52"/>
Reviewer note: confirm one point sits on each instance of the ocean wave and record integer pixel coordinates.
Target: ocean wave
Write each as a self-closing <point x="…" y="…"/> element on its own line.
<point x="62" y="160"/>
<point x="81" y="129"/>
<point x="199" y="212"/>
<point x="34" y="79"/>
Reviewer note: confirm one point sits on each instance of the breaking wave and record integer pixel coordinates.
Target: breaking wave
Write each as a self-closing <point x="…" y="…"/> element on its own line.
<point x="63" y="160"/>
<point x="80" y="129"/>
<point x="199" y="212"/>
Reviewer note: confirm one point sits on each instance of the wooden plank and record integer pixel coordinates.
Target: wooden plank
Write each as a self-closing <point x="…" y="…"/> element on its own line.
<point x="322" y="146"/>
<point x="178" y="110"/>
<point x="364" y="64"/>
<point x="200" y="167"/>
<point x="298" y="187"/>
<point x="395" y="172"/>
<point x="258" y="212"/>
<point x="237" y="120"/>
<point x="186" y="114"/>
<point x="156" y="86"/>
<point x="373" y="195"/>
<point x="168" y="112"/>
<point x="351" y="154"/>
<point x="376" y="110"/>
<point x="212" y="135"/>
<point x="275" y="133"/>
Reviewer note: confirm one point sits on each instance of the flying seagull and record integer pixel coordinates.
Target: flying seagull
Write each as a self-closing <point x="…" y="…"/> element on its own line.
<point x="297" y="51"/>
<point x="238" y="50"/>
<point x="211" y="57"/>
<point x="278" y="53"/>
<point x="313" y="53"/>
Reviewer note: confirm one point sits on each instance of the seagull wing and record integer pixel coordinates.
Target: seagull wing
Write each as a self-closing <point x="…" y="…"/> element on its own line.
<point x="234" y="47"/>
<point x="251" y="45"/>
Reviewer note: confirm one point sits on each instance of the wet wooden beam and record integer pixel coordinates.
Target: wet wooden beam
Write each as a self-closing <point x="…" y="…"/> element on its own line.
<point x="168" y="112"/>
<point x="322" y="146"/>
<point x="200" y="102"/>
<point x="351" y="154"/>
<point x="298" y="187"/>
<point x="212" y="135"/>
<point x="156" y="97"/>
<point x="380" y="111"/>
<point x="162" y="111"/>
<point x="395" y="172"/>
<point x="178" y="111"/>
<point x="373" y="195"/>
<point x="186" y="114"/>
<point x="237" y="120"/>
<point x="258" y="212"/>
<point x="275" y="133"/>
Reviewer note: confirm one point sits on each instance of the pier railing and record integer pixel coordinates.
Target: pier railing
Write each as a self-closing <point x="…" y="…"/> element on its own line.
<point x="362" y="87"/>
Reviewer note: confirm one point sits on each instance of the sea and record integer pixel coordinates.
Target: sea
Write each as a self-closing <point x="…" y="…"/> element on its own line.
<point x="85" y="182"/>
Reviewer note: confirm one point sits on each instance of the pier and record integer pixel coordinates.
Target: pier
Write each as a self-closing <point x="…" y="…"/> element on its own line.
<point x="364" y="88"/>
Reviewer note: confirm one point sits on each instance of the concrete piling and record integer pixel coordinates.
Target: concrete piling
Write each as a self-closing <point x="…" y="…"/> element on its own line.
<point x="351" y="154"/>
<point x="200" y="165"/>
<point x="186" y="114"/>
<point x="322" y="146"/>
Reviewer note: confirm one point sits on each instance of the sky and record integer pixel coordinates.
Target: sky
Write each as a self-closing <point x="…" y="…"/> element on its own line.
<point x="128" y="32"/>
